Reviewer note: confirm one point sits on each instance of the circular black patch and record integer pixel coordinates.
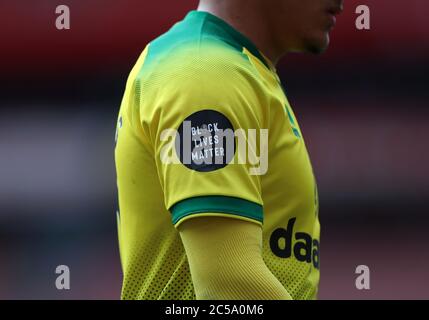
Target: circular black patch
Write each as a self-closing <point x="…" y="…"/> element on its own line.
<point x="207" y="141"/>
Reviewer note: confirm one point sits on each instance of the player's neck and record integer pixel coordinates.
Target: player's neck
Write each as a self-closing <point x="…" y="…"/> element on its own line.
<point x="248" y="21"/>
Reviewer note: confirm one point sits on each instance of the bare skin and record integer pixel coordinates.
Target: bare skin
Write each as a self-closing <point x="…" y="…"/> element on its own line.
<point x="278" y="27"/>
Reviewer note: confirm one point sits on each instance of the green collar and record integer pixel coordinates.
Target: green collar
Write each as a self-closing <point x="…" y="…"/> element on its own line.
<point x="226" y="32"/>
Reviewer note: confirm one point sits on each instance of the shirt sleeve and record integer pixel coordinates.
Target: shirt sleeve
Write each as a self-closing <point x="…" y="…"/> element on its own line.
<point x="200" y="124"/>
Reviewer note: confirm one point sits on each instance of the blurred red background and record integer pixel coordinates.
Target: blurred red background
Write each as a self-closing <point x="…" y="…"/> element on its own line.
<point x="108" y="33"/>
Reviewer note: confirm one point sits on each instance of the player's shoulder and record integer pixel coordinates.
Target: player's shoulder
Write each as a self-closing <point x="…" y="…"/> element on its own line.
<point x="190" y="53"/>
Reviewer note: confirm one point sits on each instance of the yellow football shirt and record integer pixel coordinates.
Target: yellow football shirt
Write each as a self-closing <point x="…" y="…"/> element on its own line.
<point x="205" y="128"/>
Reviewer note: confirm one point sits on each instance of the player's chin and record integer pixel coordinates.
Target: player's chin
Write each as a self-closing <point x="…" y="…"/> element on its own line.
<point x="317" y="44"/>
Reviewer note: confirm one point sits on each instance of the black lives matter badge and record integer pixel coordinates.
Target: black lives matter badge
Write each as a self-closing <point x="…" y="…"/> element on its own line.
<point x="205" y="141"/>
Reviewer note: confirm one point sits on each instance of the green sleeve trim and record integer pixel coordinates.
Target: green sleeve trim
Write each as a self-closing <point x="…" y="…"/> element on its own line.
<point x="217" y="204"/>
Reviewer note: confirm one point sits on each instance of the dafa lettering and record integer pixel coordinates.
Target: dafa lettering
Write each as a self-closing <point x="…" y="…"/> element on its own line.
<point x="304" y="248"/>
